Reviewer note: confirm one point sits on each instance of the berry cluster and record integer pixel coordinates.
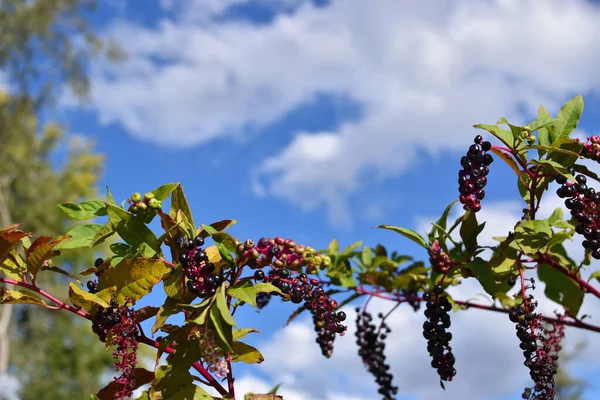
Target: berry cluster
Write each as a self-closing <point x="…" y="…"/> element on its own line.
<point x="139" y="205"/>
<point x="540" y="348"/>
<point x="591" y="148"/>
<point x="326" y="337"/>
<point x="286" y="259"/>
<point x="200" y="273"/>
<point x="583" y="202"/>
<point x="434" y="330"/>
<point x="121" y="323"/>
<point x="370" y="341"/>
<point x="212" y="354"/>
<point x="473" y="177"/>
<point x="440" y="261"/>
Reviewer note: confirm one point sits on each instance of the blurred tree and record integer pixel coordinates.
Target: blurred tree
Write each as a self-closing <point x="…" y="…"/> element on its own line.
<point x="44" y="47"/>
<point x="567" y="387"/>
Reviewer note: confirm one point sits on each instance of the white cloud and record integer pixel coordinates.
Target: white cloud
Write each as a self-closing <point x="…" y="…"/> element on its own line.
<point x="422" y="75"/>
<point x="9" y="387"/>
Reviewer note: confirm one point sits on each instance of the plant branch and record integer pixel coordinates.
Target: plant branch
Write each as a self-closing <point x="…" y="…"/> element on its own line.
<point x="196" y="365"/>
<point x="571" y="274"/>
<point x="574" y="323"/>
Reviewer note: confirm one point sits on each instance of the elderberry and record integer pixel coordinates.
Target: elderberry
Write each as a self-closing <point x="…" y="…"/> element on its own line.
<point x="370" y="341"/>
<point x="473" y="177"/>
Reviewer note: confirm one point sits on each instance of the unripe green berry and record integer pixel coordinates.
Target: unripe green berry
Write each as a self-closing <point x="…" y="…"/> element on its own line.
<point x="142" y="207"/>
<point x="136" y="197"/>
<point x="153" y="203"/>
<point x="531" y="139"/>
<point x="148" y="196"/>
<point x="134" y="209"/>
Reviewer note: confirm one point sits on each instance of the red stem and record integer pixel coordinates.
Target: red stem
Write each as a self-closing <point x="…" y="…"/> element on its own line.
<point x="142" y="339"/>
<point x="575" y="323"/>
<point x="571" y="274"/>
<point x="59" y="304"/>
<point x="197" y="366"/>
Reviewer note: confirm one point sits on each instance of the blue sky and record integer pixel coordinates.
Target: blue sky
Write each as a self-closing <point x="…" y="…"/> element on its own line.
<point x="319" y="120"/>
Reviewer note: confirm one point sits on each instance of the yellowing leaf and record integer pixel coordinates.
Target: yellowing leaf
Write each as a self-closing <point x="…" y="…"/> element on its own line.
<point x="246" y="353"/>
<point x="83" y="299"/>
<point x="134" y="278"/>
<point x="19" y="297"/>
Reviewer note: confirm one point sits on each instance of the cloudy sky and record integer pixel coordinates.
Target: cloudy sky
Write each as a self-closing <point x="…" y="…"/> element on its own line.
<point x="320" y="119"/>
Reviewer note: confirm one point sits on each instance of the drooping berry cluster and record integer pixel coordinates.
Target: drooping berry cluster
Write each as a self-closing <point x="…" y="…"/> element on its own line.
<point x="326" y="337"/>
<point x="121" y="323"/>
<point x="591" y="148"/>
<point x="287" y="260"/>
<point x="583" y="201"/>
<point x="473" y="177"/>
<point x="540" y="348"/>
<point x="370" y="341"/>
<point x="434" y="330"/>
<point x="200" y="273"/>
<point x="212" y="355"/>
<point x="140" y="206"/>
<point x="440" y="261"/>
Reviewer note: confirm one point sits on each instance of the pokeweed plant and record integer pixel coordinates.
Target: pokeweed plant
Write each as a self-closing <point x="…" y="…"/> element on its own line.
<point x="208" y="274"/>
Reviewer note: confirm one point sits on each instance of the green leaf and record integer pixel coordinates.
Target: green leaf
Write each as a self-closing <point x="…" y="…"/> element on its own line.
<point x="110" y="198"/>
<point x="334" y="247"/>
<point x="222" y="305"/>
<point x="244" y="291"/>
<point x="595" y="274"/>
<point x="267" y="288"/>
<point x="469" y="230"/>
<point x="543" y="122"/>
<point x="103" y="233"/>
<point x="223" y="330"/>
<point x="275" y="389"/>
<point x="84" y="299"/>
<point x="134" y="278"/>
<point x="367" y="256"/>
<point x="246" y="354"/>
<point x="408" y="233"/>
<point x="216" y="227"/>
<point x="348" y="250"/>
<point x="582" y="169"/>
<point x="19" y="297"/>
<point x="439" y="228"/>
<point x="161" y="193"/>
<point x="503" y="135"/>
<point x="120" y="249"/>
<point x="173" y="285"/>
<point x="133" y="231"/>
<point x="561" y="288"/>
<point x="555" y="167"/>
<point x="241" y="333"/>
<point x="164" y="312"/>
<point x="179" y="202"/>
<point x="532" y="236"/>
<point x="85" y="210"/>
<point x="569" y="115"/>
<point x="80" y="236"/>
